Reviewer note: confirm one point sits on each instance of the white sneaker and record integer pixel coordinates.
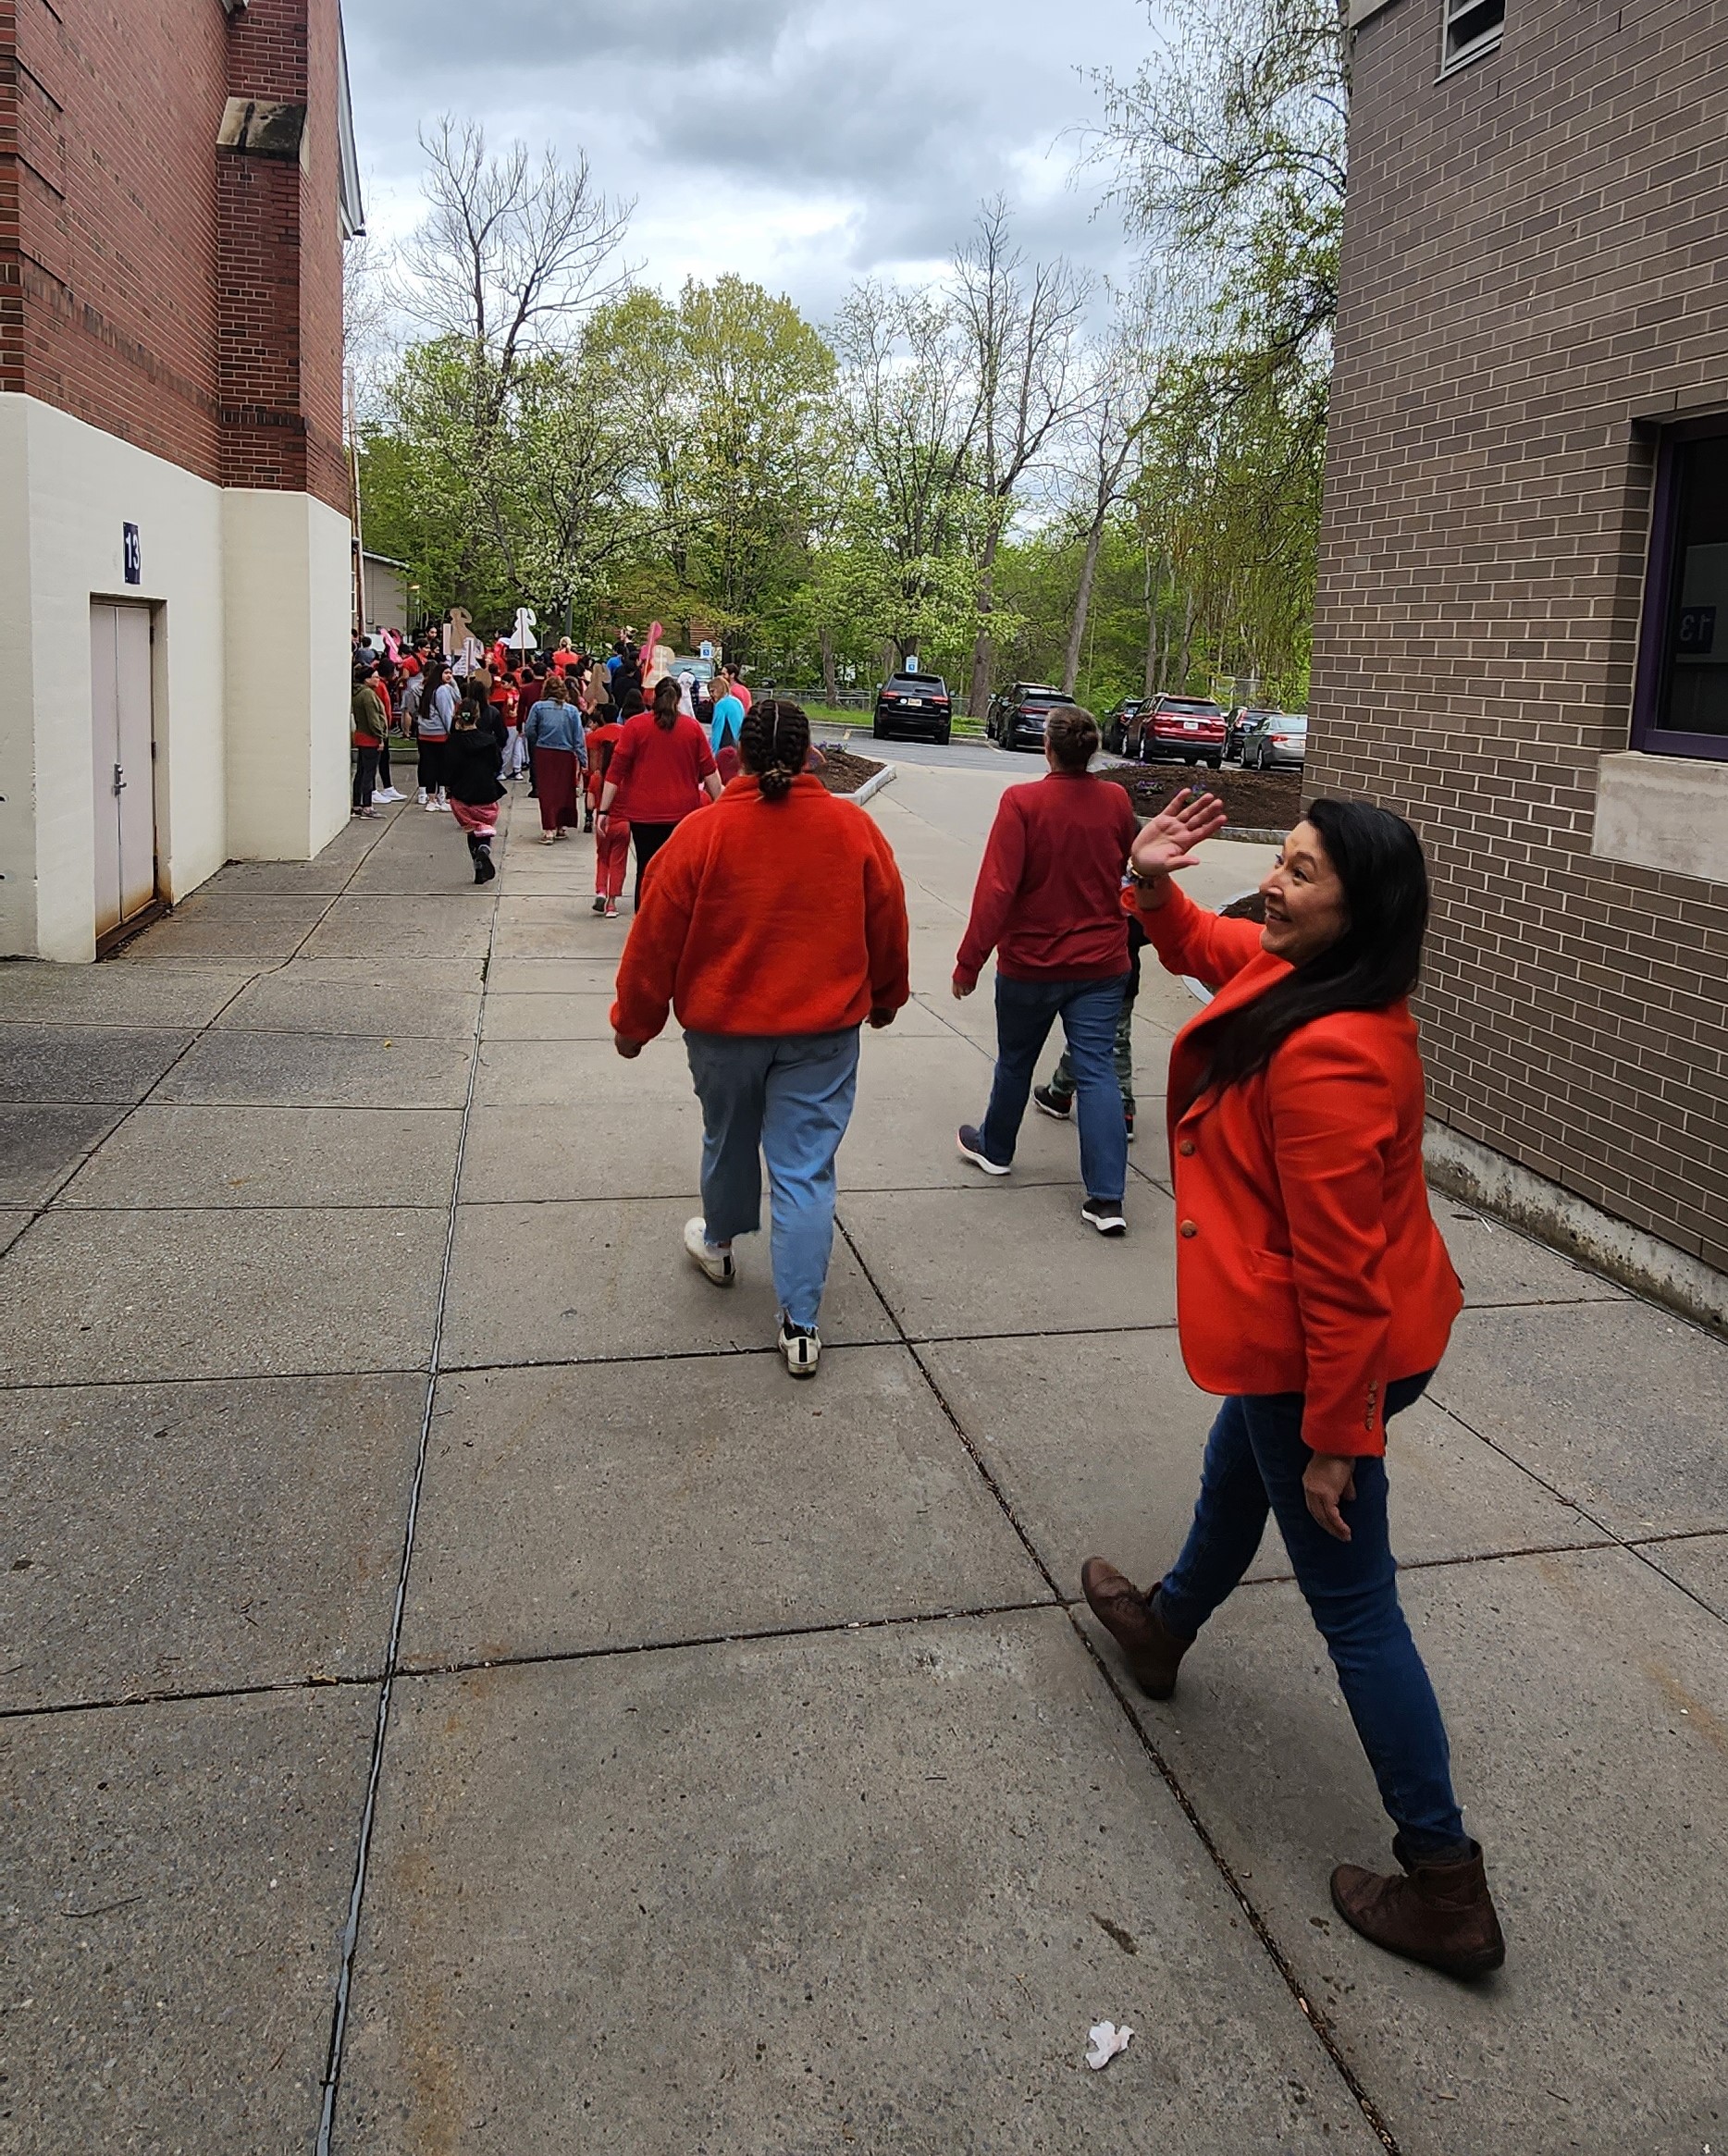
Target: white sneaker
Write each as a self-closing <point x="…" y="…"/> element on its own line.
<point x="389" y="793"/>
<point x="717" y="1264"/>
<point x="431" y="807"/>
<point x="801" y="1349"/>
<point x="420" y="798"/>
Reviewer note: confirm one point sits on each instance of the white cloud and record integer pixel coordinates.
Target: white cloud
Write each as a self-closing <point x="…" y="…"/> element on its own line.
<point x="802" y="142"/>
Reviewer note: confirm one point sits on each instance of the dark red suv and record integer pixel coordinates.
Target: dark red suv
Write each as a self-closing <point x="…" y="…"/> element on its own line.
<point x="1188" y="729"/>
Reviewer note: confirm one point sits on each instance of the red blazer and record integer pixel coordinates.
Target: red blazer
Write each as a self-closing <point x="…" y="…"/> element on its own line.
<point x="1306" y="1258"/>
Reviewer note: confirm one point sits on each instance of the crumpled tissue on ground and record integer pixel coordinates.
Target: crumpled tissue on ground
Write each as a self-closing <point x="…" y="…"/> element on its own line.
<point x="1104" y="2040"/>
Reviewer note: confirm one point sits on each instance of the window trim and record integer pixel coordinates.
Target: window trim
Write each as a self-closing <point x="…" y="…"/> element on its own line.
<point x="1478" y="49"/>
<point x="1654" y="621"/>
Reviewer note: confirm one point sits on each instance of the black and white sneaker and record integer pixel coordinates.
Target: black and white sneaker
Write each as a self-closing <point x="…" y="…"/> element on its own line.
<point x="800" y="1346"/>
<point x="1105" y="1215"/>
<point x="1050" y="1103"/>
<point x="714" y="1260"/>
<point x="972" y="1149"/>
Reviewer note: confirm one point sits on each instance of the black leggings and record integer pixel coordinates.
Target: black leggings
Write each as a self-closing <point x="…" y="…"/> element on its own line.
<point x="365" y="775"/>
<point x="647" y="838"/>
<point x="431" y="763"/>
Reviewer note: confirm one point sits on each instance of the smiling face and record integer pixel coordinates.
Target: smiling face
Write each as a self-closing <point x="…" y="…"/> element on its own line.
<point x="1305" y="909"/>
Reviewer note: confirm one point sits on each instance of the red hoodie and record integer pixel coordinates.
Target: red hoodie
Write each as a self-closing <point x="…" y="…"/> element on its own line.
<point x="1048" y="899"/>
<point x="767" y="918"/>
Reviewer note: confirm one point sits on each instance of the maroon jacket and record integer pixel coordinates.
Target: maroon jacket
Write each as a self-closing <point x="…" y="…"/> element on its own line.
<point x="1048" y="899"/>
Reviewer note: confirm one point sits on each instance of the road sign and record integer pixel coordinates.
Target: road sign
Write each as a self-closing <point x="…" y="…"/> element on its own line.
<point x="705" y="650"/>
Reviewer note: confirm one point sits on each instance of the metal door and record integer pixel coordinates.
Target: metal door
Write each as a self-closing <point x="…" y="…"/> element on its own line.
<point x="123" y="776"/>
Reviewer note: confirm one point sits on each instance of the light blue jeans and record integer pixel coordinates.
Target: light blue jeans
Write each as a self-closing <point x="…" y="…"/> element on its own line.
<point x="787" y="1096"/>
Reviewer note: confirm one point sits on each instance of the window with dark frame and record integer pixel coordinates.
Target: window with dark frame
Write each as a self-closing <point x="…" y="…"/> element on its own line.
<point x="1681" y="703"/>
<point x="1471" y="28"/>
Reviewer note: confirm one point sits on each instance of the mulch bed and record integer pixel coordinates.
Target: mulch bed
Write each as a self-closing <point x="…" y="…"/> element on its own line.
<point x="843" y="772"/>
<point x="1253" y="800"/>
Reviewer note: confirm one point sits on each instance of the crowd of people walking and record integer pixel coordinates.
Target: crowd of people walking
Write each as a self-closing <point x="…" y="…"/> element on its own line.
<point x="1314" y="1295"/>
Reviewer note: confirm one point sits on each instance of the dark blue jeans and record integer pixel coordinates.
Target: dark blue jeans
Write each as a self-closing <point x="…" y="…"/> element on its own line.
<point x="1089" y="1010"/>
<point x="1255" y="1458"/>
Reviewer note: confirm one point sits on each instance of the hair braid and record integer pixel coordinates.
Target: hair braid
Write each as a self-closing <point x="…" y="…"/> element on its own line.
<point x="774" y="744"/>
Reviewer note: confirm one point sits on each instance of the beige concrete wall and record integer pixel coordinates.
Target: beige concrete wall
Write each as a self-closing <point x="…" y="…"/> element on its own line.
<point x="250" y="596"/>
<point x="287" y="572"/>
<point x="65" y="491"/>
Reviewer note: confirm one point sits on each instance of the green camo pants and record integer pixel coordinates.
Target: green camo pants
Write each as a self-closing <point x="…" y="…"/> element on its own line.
<point x="1062" y="1083"/>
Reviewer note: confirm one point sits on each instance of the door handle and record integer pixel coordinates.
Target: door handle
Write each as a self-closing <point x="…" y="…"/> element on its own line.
<point x="120" y="778"/>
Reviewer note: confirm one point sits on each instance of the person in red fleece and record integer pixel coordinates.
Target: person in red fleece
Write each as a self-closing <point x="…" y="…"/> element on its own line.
<point x="1048" y="902"/>
<point x="774" y="924"/>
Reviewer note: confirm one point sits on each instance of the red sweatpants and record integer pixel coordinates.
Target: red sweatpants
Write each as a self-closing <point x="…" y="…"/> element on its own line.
<point x="611" y="851"/>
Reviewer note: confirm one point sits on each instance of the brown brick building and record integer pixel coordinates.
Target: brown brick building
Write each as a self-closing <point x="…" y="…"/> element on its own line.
<point x="176" y="177"/>
<point x="1521" y="640"/>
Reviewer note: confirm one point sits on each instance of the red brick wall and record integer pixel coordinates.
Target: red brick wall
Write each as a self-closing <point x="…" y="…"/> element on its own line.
<point x="1534" y="254"/>
<point x="185" y="298"/>
<point x="117" y="107"/>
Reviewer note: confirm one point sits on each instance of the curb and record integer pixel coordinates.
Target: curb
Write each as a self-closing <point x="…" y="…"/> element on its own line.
<point x="1256" y="833"/>
<point x="873" y="784"/>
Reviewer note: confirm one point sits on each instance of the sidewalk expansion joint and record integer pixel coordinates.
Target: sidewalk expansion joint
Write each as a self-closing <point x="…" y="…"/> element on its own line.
<point x="1634" y="1546"/>
<point x="198" y="1033"/>
<point x="819" y="1628"/>
<point x="392" y="1653"/>
<point x="1316" y="2019"/>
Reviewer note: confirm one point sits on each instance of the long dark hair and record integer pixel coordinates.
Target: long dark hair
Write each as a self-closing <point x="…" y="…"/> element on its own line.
<point x="1379" y="861"/>
<point x="774" y="743"/>
<point x="665" y="704"/>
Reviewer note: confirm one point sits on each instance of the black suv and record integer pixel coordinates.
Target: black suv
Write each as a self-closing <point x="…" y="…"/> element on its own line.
<point x="1119" y="720"/>
<point x="913" y="703"/>
<point x="1017" y="714"/>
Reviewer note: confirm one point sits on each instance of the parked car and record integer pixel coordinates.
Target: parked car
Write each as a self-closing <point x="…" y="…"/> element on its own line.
<point x="913" y="703"/>
<point x="1240" y="719"/>
<point x="1118" y="720"/>
<point x="1276" y="737"/>
<point x="1017" y="714"/>
<point x="1181" y="728"/>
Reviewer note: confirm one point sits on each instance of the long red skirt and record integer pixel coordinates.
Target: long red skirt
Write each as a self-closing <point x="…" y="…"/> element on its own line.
<point x="557" y="777"/>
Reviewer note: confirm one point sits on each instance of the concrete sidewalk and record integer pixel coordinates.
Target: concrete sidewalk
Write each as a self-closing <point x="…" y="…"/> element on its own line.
<point x="728" y="1768"/>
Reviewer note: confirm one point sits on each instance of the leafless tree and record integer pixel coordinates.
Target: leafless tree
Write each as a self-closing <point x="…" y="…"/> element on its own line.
<point x="1021" y="327"/>
<point x="1100" y="452"/>
<point x="511" y="251"/>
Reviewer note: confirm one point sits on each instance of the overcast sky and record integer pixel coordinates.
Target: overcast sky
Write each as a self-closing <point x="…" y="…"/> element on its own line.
<point x="801" y="143"/>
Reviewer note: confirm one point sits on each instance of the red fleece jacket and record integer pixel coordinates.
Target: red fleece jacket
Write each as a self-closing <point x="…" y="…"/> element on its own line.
<point x="1048" y="899"/>
<point x="767" y="917"/>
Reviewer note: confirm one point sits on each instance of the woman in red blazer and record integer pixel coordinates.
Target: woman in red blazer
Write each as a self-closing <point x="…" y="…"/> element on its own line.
<point x="1315" y="1292"/>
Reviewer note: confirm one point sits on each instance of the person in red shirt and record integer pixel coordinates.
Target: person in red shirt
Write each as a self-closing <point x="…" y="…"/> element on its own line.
<point x="1048" y="902"/>
<point x="1315" y="1293"/>
<point x="612" y="842"/>
<point x="662" y="766"/>
<point x="771" y="1017"/>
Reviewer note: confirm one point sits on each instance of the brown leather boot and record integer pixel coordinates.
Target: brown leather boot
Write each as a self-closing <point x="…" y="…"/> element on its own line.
<point x="1131" y="1619"/>
<point x="1439" y="1913"/>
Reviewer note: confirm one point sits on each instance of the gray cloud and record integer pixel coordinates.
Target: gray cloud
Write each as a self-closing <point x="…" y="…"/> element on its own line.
<point x="804" y="141"/>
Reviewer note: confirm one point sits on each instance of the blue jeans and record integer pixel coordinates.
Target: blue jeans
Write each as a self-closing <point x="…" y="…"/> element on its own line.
<point x="1089" y="1010"/>
<point x="1255" y="1458"/>
<point x="790" y="1095"/>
